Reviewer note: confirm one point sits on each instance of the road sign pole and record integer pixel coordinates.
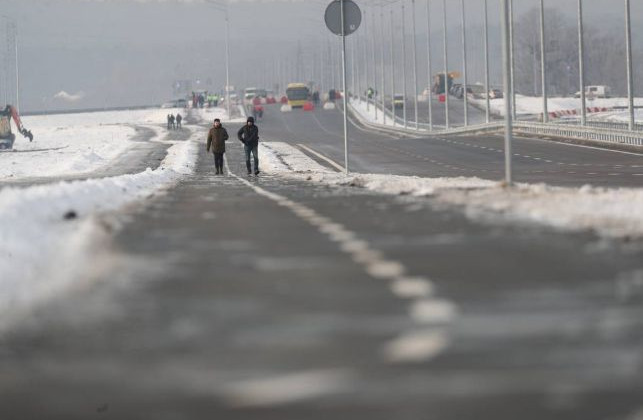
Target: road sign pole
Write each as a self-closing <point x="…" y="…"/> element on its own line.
<point x="415" y="68"/>
<point x="344" y="89"/>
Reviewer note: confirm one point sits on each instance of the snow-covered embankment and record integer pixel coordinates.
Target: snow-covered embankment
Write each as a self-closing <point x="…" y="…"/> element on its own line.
<point x="47" y="232"/>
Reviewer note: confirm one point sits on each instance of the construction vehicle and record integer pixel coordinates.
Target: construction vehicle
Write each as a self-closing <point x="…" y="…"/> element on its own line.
<point x="6" y="136"/>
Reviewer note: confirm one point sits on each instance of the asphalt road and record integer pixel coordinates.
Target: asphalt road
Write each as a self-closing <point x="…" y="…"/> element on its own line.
<point x="534" y="160"/>
<point x="265" y="298"/>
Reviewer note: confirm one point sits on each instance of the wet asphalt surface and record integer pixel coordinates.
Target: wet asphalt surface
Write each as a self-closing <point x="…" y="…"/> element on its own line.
<point x="214" y="299"/>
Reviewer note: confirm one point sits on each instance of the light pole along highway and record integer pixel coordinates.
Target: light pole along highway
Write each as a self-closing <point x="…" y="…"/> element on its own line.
<point x="343" y="17"/>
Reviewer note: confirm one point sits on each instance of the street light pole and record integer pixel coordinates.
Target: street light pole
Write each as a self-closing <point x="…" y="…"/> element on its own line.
<point x="374" y="61"/>
<point x="428" y="54"/>
<point x="393" y="113"/>
<point x="368" y="103"/>
<point x="344" y="88"/>
<point x="382" y="67"/>
<point x="415" y="67"/>
<point x="464" y="65"/>
<point x="630" y="75"/>
<point x="404" y="66"/>
<point x="581" y="65"/>
<point x="486" y="63"/>
<point x="543" y="73"/>
<point x="506" y="78"/>
<point x="512" y="59"/>
<point x="446" y="65"/>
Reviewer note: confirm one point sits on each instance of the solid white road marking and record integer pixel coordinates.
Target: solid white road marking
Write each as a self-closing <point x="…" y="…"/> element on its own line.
<point x="322" y="157"/>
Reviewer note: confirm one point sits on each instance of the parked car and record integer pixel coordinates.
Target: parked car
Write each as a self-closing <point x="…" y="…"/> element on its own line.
<point x="495" y="93"/>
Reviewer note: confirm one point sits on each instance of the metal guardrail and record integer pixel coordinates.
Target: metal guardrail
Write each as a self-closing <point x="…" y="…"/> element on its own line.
<point x="603" y="131"/>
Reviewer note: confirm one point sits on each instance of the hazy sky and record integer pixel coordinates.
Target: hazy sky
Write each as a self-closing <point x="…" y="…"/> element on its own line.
<point x="86" y="53"/>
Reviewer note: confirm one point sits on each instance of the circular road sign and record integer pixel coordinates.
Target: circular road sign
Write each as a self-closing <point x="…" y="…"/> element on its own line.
<point x="352" y="17"/>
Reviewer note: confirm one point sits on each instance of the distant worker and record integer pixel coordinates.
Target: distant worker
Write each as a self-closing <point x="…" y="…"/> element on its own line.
<point x="316" y="97"/>
<point x="172" y="125"/>
<point x="217" y="137"/>
<point x="249" y="136"/>
<point x="179" y="118"/>
<point x="169" y="122"/>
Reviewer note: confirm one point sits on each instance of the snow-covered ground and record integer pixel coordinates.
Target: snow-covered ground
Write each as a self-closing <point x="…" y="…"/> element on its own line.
<point x="71" y="144"/>
<point x="368" y="112"/>
<point x="614" y="213"/>
<point x="209" y="114"/>
<point x="37" y="243"/>
<point x="531" y="105"/>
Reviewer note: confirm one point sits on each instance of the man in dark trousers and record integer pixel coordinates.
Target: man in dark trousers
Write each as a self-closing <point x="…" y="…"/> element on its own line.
<point x="216" y="141"/>
<point x="249" y="136"/>
<point x="179" y="118"/>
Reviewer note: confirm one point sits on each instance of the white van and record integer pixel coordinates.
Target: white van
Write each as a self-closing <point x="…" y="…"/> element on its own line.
<point x="598" y="91"/>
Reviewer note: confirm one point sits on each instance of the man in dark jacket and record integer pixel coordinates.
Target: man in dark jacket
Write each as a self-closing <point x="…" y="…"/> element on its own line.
<point x="249" y="136"/>
<point x="216" y="140"/>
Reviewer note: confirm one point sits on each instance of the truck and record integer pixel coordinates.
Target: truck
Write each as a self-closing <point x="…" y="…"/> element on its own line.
<point x="7" y="138"/>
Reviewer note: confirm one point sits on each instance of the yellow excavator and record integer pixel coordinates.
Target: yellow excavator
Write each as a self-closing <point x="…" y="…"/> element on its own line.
<point x="6" y="136"/>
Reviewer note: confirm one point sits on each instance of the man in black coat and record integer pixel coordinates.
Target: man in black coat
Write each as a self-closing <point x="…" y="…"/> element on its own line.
<point x="249" y="136"/>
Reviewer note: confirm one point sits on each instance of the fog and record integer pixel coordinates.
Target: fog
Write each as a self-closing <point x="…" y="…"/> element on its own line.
<point x="93" y="54"/>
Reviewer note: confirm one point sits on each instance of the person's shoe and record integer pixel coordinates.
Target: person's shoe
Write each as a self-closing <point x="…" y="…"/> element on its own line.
<point x="257" y="172"/>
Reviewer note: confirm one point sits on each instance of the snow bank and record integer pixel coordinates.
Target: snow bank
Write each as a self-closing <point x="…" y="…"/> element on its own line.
<point x="37" y="244"/>
<point x="72" y="144"/>
<point x="533" y="105"/>
<point x="614" y="213"/>
<point x="368" y="113"/>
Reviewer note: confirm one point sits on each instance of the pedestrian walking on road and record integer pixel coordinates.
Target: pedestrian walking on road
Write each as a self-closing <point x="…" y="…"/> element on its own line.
<point x="169" y="122"/>
<point x="249" y="136"/>
<point x="216" y="141"/>
<point x="172" y="125"/>
<point x="179" y="118"/>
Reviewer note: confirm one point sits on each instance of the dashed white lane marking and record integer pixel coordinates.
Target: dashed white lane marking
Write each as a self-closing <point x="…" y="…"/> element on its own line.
<point x="322" y="157"/>
<point x="284" y="389"/>
<point x="423" y="310"/>
<point x="416" y="346"/>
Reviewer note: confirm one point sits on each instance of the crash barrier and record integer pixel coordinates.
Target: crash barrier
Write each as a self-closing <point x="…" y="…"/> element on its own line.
<point x="609" y="133"/>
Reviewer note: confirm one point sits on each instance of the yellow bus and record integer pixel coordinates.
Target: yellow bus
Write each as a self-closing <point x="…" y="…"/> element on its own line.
<point x="298" y="94"/>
